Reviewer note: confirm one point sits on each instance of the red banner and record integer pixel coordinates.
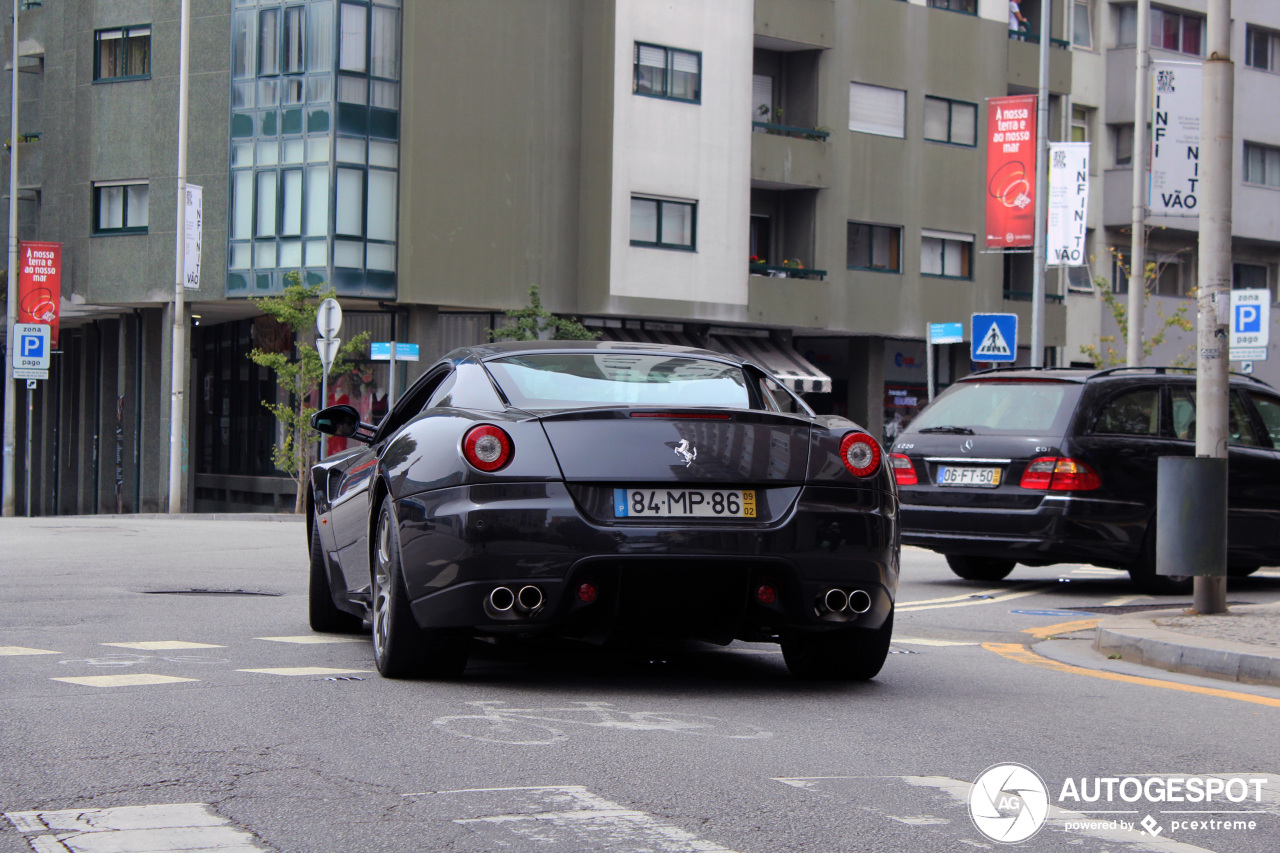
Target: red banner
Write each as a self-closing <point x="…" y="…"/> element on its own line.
<point x="1011" y="172"/>
<point x="40" y="285"/>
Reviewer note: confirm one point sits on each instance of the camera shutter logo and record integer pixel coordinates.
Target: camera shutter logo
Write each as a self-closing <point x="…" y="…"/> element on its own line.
<point x="1008" y="803"/>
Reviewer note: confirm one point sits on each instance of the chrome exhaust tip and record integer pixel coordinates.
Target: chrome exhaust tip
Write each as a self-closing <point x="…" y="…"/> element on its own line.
<point x="859" y="601"/>
<point x="502" y="599"/>
<point x="835" y="600"/>
<point x="529" y="598"/>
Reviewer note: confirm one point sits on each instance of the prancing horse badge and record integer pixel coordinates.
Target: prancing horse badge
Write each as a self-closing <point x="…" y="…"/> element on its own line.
<point x="685" y="452"/>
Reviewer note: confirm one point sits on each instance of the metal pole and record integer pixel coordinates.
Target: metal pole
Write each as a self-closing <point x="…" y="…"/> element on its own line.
<point x="177" y="370"/>
<point x="391" y="383"/>
<point x="10" y="385"/>
<point x="1212" y="388"/>
<point x="1042" y="192"/>
<point x="1138" y="252"/>
<point x="26" y="455"/>
<point x="928" y="358"/>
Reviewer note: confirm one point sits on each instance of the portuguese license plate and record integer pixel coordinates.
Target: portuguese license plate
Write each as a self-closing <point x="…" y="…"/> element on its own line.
<point x="684" y="503"/>
<point x="951" y="475"/>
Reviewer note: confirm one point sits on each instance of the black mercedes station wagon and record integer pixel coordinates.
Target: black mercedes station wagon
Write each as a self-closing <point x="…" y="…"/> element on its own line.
<point x="1038" y="466"/>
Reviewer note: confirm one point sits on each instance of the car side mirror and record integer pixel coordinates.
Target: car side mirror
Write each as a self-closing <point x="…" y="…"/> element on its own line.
<point x="342" y="421"/>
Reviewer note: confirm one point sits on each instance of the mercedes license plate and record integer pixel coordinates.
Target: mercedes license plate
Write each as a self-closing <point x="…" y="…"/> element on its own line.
<point x="951" y="475"/>
<point x="684" y="503"/>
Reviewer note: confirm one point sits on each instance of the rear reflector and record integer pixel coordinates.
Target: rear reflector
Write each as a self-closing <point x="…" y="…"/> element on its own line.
<point x="687" y="416"/>
<point x="587" y="593"/>
<point x="903" y="471"/>
<point x="766" y="594"/>
<point x="860" y="454"/>
<point x="1059" y="474"/>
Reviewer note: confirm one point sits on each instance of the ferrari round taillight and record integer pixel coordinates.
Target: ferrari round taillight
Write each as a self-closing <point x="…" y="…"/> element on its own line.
<point x="486" y="447"/>
<point x="860" y="454"/>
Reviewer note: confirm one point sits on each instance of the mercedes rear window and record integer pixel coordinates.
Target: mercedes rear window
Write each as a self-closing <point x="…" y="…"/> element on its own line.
<point x="1004" y="406"/>
<point x="555" y="381"/>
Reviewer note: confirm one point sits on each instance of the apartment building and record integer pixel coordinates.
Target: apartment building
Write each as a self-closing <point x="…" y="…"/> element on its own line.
<point x="1104" y="41"/>
<point x="799" y="180"/>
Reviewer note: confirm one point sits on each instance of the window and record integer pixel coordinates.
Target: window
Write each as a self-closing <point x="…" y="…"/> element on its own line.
<point x="120" y="207"/>
<point x="1082" y="24"/>
<point x="969" y="6"/>
<point x="1248" y="277"/>
<point x="1269" y="408"/>
<point x="1134" y="412"/>
<point x="1239" y="425"/>
<point x="1261" y="164"/>
<point x="1177" y="31"/>
<point x="1122" y="144"/>
<point x="664" y="72"/>
<point x="950" y="121"/>
<point x="122" y="54"/>
<point x="878" y="110"/>
<point x="875" y="247"/>
<point x="1080" y="124"/>
<point x="1262" y="49"/>
<point x="663" y="223"/>
<point x="946" y="254"/>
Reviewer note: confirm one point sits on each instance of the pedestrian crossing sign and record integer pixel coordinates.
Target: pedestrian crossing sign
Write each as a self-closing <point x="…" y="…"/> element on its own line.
<point x="994" y="337"/>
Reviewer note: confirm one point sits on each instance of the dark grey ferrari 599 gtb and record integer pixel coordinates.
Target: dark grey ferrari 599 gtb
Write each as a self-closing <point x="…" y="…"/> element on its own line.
<point x="591" y="489"/>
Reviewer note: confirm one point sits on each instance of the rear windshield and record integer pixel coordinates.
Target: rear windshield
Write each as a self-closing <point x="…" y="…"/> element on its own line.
<point x="575" y="380"/>
<point x="1002" y="407"/>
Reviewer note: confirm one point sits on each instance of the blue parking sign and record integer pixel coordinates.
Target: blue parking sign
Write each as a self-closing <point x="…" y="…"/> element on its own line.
<point x="31" y="346"/>
<point x="994" y="337"/>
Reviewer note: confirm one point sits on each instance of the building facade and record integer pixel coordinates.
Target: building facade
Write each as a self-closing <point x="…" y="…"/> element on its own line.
<point x="801" y="180"/>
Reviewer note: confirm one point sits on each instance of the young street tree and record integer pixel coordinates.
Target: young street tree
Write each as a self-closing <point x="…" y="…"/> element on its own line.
<point x="299" y="377"/>
<point x="532" y="321"/>
<point x="1105" y="352"/>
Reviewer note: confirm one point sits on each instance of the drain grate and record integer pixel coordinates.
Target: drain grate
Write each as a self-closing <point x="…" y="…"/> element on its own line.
<point x="195" y="591"/>
<point x="342" y="678"/>
<point x="903" y="652"/>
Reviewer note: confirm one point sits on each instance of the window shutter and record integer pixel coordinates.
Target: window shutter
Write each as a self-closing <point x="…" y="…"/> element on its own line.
<point x="652" y="56"/>
<point x="761" y="97"/>
<point x="876" y="109"/>
<point x="685" y="62"/>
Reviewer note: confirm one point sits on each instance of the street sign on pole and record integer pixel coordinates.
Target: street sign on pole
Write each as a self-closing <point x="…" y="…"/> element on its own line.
<point x="329" y="318"/>
<point x="994" y="337"/>
<point x="328" y="350"/>
<point x="31" y="347"/>
<point x="193" y="235"/>
<point x="946" y="333"/>
<point x="1250" y="324"/>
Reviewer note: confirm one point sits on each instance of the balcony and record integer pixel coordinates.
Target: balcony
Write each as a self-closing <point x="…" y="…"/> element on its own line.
<point x="788" y="157"/>
<point x="787" y="271"/>
<point x="798" y="23"/>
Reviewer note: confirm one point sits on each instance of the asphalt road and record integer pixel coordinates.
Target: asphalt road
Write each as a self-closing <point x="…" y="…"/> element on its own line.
<point x="136" y="714"/>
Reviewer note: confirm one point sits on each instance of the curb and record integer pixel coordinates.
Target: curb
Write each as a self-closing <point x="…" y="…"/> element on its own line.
<point x="1137" y="639"/>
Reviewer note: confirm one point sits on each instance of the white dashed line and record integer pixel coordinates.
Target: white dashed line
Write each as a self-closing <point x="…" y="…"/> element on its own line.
<point x="921" y="641"/>
<point x="7" y="651"/>
<point x="133" y="679"/>
<point x="162" y="645"/>
<point x="305" y="670"/>
<point x="314" y="639"/>
<point x="995" y="599"/>
<point x="184" y="826"/>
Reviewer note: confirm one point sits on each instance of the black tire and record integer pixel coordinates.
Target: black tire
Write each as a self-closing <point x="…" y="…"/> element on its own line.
<point x="980" y="568"/>
<point x="1143" y="572"/>
<point x="854" y="654"/>
<point x="402" y="649"/>
<point x="325" y="616"/>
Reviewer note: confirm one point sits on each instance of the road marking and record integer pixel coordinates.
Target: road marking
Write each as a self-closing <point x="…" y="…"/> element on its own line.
<point x="580" y="819"/>
<point x="184" y="826"/>
<point x="314" y="639"/>
<point x="1126" y="599"/>
<point x="133" y="679"/>
<point x="305" y="670"/>
<point x="1062" y="628"/>
<point x="911" y="608"/>
<point x="7" y="651"/>
<point x="1022" y="654"/>
<point x="964" y="596"/>
<point x="1093" y="570"/>
<point x="921" y="641"/>
<point x="162" y="645"/>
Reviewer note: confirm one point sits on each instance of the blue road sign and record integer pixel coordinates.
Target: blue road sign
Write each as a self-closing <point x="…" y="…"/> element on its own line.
<point x="31" y="346"/>
<point x="994" y="337"/>
<point x="946" y="333"/>
<point x="1248" y="319"/>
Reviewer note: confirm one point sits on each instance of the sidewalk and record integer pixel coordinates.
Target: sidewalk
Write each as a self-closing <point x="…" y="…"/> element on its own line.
<point x="1242" y="646"/>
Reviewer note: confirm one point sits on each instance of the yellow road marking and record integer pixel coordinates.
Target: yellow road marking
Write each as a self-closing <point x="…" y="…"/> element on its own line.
<point x="1061" y="628"/>
<point x="162" y="645"/>
<point x="1021" y="654"/>
<point x="304" y="670"/>
<point x="131" y="680"/>
<point x="6" y="651"/>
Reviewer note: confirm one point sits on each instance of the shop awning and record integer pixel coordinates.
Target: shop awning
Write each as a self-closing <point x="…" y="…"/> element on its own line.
<point x="785" y="363"/>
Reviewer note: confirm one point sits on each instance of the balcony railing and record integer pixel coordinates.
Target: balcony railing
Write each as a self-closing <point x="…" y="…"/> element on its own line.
<point x="1027" y="296"/>
<point x="785" y="271"/>
<point x="775" y="129"/>
<point x="1034" y="38"/>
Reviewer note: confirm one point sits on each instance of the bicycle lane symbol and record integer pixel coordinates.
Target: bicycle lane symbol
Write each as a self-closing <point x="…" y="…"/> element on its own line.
<point x="530" y="726"/>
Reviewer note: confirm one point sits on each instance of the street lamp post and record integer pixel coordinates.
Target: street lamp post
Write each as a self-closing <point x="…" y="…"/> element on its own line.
<point x="11" y="319"/>
<point x="177" y="372"/>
